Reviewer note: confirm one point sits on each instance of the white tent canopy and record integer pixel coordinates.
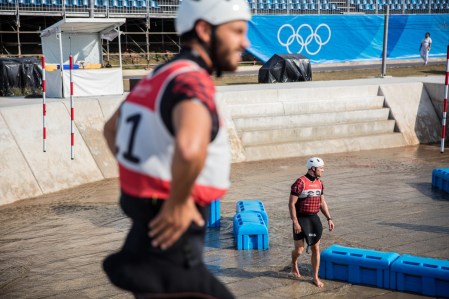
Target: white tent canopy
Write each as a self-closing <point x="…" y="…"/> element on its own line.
<point x="81" y="38"/>
<point x="83" y="25"/>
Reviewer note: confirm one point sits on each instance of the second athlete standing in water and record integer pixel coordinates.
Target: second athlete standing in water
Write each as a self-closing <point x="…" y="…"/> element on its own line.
<point x="306" y="200"/>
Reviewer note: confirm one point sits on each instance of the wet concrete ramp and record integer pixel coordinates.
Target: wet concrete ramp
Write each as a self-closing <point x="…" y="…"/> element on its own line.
<point x="52" y="246"/>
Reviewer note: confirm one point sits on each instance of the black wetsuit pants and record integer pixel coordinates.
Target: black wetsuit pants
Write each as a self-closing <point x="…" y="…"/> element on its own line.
<point x="312" y="229"/>
<point x="149" y="272"/>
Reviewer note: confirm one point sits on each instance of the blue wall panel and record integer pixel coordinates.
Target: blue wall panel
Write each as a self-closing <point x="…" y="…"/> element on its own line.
<point x="339" y="38"/>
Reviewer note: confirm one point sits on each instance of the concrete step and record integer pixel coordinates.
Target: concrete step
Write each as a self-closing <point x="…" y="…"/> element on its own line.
<point x="334" y="105"/>
<point x="306" y="106"/>
<point x="324" y="146"/>
<point x="293" y="121"/>
<point x="289" y="92"/>
<point x="302" y="134"/>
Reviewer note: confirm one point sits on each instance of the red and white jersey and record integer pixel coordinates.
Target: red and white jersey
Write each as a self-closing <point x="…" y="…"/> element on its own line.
<point x="145" y="145"/>
<point x="309" y="194"/>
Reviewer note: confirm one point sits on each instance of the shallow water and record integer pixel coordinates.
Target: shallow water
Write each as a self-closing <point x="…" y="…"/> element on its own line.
<point x="53" y="245"/>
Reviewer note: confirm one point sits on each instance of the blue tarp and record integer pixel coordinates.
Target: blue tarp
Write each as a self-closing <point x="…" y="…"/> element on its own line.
<point x="340" y="38"/>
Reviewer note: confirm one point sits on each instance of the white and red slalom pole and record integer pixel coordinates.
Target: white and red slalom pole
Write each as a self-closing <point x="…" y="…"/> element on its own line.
<point x="443" y="129"/>
<point x="44" y="107"/>
<point x="72" y="113"/>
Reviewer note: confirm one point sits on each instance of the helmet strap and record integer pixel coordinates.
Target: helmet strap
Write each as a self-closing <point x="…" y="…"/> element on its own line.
<point x="314" y="171"/>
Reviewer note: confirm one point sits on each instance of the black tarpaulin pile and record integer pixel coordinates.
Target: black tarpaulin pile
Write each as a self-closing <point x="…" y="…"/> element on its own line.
<point x="286" y="68"/>
<point x="19" y="76"/>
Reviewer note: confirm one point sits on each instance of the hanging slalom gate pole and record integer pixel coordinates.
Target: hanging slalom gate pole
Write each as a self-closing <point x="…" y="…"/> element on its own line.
<point x="72" y="113"/>
<point x="44" y="107"/>
<point x="443" y="122"/>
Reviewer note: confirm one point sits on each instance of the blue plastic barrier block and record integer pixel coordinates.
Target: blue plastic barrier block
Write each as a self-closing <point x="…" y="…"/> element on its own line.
<point x="440" y="178"/>
<point x="250" y="232"/>
<point x="67" y="66"/>
<point x="252" y="206"/>
<point x="357" y="266"/>
<point x="214" y="214"/>
<point x="426" y="276"/>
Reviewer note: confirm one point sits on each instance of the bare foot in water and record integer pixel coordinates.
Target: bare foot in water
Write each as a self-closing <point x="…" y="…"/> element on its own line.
<point x="318" y="282"/>
<point x="295" y="270"/>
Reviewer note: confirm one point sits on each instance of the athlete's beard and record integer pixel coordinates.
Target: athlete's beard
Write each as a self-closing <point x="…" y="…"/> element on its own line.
<point x="224" y="57"/>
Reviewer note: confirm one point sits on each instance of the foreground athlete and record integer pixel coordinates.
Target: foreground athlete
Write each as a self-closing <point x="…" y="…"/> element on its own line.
<point x="174" y="157"/>
<point x="306" y="200"/>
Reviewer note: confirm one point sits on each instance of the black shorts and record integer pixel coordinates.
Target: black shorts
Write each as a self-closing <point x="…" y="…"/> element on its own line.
<point x="151" y="272"/>
<point x="312" y="229"/>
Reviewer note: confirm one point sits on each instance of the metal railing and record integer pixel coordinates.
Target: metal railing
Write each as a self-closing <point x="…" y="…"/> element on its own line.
<point x="167" y="8"/>
<point x="348" y="6"/>
<point x="100" y="8"/>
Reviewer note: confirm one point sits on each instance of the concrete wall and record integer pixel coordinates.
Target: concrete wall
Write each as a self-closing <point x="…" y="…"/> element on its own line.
<point x="413" y="111"/>
<point x="26" y="171"/>
<point x="436" y="94"/>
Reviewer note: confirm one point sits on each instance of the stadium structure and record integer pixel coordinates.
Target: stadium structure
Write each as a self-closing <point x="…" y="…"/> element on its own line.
<point x="149" y="35"/>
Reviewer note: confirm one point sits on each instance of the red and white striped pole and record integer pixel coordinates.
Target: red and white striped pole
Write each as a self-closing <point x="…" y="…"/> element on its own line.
<point x="44" y="107"/>
<point x="72" y="113"/>
<point x="443" y="130"/>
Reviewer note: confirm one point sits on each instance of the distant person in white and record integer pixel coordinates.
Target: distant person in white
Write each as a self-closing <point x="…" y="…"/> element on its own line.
<point x="424" y="48"/>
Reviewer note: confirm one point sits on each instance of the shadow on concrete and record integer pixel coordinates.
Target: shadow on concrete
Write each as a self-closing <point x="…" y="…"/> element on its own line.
<point x="284" y="273"/>
<point x="216" y="238"/>
<point x="430" y="191"/>
<point x="419" y="227"/>
<point x="434" y="72"/>
<point x="107" y="216"/>
<point x="427" y="125"/>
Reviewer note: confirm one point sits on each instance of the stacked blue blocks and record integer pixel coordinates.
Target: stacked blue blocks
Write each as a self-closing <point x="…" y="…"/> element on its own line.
<point x="422" y="275"/>
<point x="250" y="232"/>
<point x="252" y="206"/>
<point x="357" y="266"/>
<point x="440" y="178"/>
<point x="250" y="226"/>
<point x="214" y="214"/>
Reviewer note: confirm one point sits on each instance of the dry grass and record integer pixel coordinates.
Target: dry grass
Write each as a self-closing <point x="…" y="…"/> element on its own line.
<point x="403" y="71"/>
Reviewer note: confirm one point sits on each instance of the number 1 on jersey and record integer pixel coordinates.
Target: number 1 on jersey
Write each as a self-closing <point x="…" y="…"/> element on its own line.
<point x="128" y="155"/>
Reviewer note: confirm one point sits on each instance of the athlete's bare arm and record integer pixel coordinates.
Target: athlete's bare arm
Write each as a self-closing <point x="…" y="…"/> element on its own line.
<point x="192" y="124"/>
<point x="325" y="211"/>
<point x="291" y="207"/>
<point x="110" y="129"/>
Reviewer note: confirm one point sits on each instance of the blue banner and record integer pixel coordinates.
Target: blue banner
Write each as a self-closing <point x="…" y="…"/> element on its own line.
<point x="340" y="38"/>
<point x="407" y="31"/>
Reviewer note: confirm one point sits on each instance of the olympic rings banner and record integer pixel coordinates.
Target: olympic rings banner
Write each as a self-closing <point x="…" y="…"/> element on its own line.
<point x="340" y="38"/>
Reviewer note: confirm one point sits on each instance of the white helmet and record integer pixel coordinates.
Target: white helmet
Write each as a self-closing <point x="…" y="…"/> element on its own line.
<point x="215" y="12"/>
<point x="314" y="162"/>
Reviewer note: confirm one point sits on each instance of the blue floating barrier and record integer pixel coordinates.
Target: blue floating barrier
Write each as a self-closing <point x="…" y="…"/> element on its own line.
<point x="252" y="206"/>
<point x="426" y="276"/>
<point x="250" y="232"/>
<point x="357" y="266"/>
<point x="214" y="214"/>
<point x="440" y="178"/>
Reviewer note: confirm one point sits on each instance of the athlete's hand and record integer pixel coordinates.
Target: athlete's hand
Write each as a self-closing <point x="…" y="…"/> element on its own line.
<point x="296" y="227"/>
<point x="172" y="221"/>
<point x="331" y="225"/>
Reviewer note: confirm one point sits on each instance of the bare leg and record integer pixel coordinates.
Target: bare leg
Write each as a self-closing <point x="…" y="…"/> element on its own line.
<point x="299" y="249"/>
<point x="316" y="264"/>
